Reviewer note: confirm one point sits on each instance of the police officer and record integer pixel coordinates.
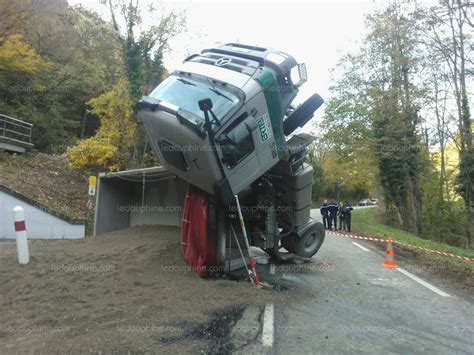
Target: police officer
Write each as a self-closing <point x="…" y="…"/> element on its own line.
<point x="324" y="214"/>
<point x="346" y="210"/>
<point x="340" y="214"/>
<point x="332" y="209"/>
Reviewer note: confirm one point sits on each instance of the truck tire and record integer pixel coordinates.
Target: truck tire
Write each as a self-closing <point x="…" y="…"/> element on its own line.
<point x="302" y="114"/>
<point x="309" y="243"/>
<point x="277" y="254"/>
<point x="288" y="243"/>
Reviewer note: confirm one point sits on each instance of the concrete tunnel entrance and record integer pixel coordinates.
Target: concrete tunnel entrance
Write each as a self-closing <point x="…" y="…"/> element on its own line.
<point x="151" y="196"/>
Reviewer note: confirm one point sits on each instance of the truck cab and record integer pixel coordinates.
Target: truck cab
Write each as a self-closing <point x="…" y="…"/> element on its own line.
<point x="250" y="88"/>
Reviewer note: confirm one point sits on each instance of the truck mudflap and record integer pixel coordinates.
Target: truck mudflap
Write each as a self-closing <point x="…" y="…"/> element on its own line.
<point x="199" y="251"/>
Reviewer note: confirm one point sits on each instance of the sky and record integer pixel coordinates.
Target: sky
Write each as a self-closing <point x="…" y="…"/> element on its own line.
<point x="317" y="33"/>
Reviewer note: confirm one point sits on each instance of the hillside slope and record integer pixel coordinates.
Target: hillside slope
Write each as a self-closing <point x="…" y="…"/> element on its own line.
<point x="47" y="179"/>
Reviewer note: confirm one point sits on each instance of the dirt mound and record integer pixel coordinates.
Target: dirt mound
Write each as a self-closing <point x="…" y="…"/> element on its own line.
<point x="47" y="179"/>
<point x="126" y="291"/>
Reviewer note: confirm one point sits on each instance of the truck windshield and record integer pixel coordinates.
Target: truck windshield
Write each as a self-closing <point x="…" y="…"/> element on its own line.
<point x="186" y="93"/>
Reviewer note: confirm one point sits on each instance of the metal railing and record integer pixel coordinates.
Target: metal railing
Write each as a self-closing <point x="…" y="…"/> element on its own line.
<point x="15" y="129"/>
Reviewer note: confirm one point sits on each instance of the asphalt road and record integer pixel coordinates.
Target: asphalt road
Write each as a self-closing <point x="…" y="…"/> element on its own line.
<point x="352" y="305"/>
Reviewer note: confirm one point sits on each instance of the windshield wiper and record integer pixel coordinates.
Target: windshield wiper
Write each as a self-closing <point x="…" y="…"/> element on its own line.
<point x="184" y="81"/>
<point x="217" y="92"/>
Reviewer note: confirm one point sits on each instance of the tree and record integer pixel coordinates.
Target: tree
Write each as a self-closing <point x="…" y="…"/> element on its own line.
<point x="13" y="16"/>
<point x="350" y="161"/>
<point x="406" y="93"/>
<point x="374" y="118"/>
<point x="83" y="61"/>
<point x="449" y="35"/>
<point x="143" y="49"/>
<point x="16" y="56"/>
<point x="436" y="102"/>
<point x="112" y="146"/>
<point x="391" y="54"/>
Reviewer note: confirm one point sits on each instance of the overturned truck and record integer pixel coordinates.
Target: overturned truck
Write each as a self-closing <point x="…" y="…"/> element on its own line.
<point x="220" y="124"/>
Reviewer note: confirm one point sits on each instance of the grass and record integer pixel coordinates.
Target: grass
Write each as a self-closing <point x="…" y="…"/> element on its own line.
<point x="47" y="179"/>
<point x="366" y="221"/>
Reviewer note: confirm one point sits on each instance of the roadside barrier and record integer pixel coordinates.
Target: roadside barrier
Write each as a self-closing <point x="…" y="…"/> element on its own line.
<point x="21" y="237"/>
<point x="375" y="239"/>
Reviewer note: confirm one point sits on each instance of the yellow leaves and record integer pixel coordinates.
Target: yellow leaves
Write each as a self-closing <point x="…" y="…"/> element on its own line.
<point x="91" y="153"/>
<point x="111" y="147"/>
<point x="451" y="167"/>
<point x="18" y="56"/>
<point x="357" y="171"/>
<point x="114" y="108"/>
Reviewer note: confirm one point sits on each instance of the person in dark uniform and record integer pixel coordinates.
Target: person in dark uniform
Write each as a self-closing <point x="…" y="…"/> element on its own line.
<point x="340" y="214"/>
<point x="332" y="209"/>
<point x="346" y="210"/>
<point x="324" y="214"/>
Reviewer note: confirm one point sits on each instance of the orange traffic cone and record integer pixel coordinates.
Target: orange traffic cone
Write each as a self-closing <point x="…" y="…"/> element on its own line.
<point x="389" y="259"/>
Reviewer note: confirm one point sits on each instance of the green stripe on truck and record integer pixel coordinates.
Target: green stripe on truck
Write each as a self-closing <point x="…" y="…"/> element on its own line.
<point x="273" y="98"/>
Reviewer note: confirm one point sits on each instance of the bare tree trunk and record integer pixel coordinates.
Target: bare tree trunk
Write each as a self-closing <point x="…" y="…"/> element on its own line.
<point x="465" y="128"/>
<point x="84" y="122"/>
<point x="453" y="50"/>
<point x="440" y="126"/>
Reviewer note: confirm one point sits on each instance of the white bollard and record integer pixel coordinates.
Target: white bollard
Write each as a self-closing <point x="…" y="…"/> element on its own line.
<point x="21" y="237"/>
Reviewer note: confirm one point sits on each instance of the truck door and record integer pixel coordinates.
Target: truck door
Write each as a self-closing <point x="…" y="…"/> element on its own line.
<point x="246" y="145"/>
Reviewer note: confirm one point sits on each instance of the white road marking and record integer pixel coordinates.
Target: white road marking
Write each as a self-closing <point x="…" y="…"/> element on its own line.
<point x="424" y="283"/>
<point x="360" y="246"/>
<point x="267" y="330"/>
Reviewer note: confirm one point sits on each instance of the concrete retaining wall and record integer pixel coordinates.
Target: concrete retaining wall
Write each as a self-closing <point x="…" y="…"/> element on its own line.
<point x="41" y="222"/>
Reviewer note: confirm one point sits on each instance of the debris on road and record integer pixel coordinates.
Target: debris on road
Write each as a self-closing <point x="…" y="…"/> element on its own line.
<point x="128" y="290"/>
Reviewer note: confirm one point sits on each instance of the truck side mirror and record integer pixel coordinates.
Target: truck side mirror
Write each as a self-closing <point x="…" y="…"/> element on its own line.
<point x="205" y="104"/>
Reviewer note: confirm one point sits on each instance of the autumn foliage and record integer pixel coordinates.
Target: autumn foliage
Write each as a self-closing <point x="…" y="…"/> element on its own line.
<point x="111" y="148"/>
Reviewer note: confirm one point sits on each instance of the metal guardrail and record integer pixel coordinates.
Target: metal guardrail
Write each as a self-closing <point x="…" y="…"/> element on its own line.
<point x="15" y="129"/>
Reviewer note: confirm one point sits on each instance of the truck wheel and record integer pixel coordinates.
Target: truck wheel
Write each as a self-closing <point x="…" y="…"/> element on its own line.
<point x="288" y="243"/>
<point x="276" y="253"/>
<point x="302" y="114"/>
<point x="309" y="243"/>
